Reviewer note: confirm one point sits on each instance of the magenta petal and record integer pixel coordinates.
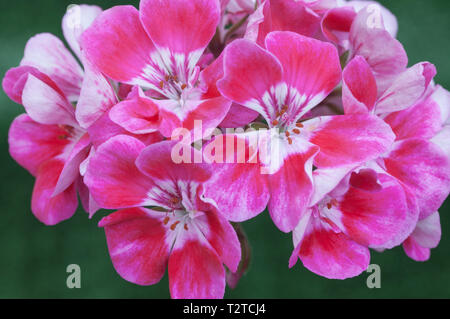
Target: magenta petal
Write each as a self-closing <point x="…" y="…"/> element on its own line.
<point x="336" y="24"/>
<point x="373" y="218"/>
<point x="181" y="26"/>
<point x="249" y="72"/>
<point x="238" y="116"/>
<point x="291" y="187"/>
<point x="139" y="115"/>
<point x="50" y="209"/>
<point x="330" y="254"/>
<point x="195" y="270"/>
<point x="118" y="45"/>
<point x="310" y="66"/>
<point x="349" y="139"/>
<point x="119" y="184"/>
<point x="222" y="237"/>
<point x="137" y="244"/>
<point x="48" y="54"/>
<point x="359" y="89"/>
<point x="31" y="144"/>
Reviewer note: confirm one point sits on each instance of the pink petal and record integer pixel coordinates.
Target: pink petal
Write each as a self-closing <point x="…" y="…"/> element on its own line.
<point x="406" y="89"/>
<point x="291" y="185"/>
<point x="374" y="218"/>
<point x="349" y="139"/>
<point x="414" y="251"/>
<point x="359" y="89"/>
<point x="158" y="162"/>
<point x="118" y="45"/>
<point x="425" y="169"/>
<point x="238" y="116"/>
<point x="31" y="144"/>
<point x="249" y="72"/>
<point x="46" y="105"/>
<point x="71" y="170"/>
<point x="336" y="24"/>
<point x="139" y="115"/>
<point x="183" y="26"/>
<point x="48" y="54"/>
<point x="330" y="254"/>
<point x="423" y="120"/>
<point x="195" y="270"/>
<point x="119" y="184"/>
<point x="310" y="66"/>
<point x="222" y="237"/>
<point x="77" y="19"/>
<point x="97" y="96"/>
<point x="137" y="244"/>
<point x="237" y="187"/>
<point x="282" y="15"/>
<point x="50" y="209"/>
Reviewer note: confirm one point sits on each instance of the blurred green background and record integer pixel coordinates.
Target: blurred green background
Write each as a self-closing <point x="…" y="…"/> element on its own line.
<point x="34" y="258"/>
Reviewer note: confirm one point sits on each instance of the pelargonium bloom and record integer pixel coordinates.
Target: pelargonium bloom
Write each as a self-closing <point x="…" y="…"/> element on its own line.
<point x="282" y="83"/>
<point x="183" y="230"/>
<point x="160" y="48"/>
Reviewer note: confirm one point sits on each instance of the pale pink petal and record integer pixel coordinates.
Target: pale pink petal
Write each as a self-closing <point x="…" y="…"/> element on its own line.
<point x="425" y="169"/>
<point x="49" y="55"/>
<point x="76" y="20"/>
<point x="46" y="105"/>
<point x="137" y="244"/>
<point x="389" y="20"/>
<point x="97" y="96"/>
<point x="414" y="251"/>
<point x="50" y="209"/>
<point x="119" y="184"/>
<point x="406" y="89"/>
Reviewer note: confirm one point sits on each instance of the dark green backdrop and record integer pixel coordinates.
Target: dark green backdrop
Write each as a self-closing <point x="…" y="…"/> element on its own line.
<point x="34" y="258"/>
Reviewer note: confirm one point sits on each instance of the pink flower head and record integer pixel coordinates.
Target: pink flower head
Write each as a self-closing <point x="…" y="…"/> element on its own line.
<point x="183" y="230"/>
<point x="282" y="83"/>
<point x="159" y="48"/>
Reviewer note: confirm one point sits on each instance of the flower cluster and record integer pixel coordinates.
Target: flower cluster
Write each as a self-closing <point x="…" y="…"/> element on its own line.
<point x="345" y="145"/>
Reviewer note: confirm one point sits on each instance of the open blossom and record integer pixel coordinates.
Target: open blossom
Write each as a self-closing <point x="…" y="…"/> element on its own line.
<point x="185" y="232"/>
<point x="160" y="48"/>
<point x="282" y="84"/>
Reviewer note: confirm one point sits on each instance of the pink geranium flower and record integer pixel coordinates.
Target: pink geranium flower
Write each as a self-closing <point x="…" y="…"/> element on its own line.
<point x="159" y="48"/>
<point x="282" y="83"/>
<point x="183" y="231"/>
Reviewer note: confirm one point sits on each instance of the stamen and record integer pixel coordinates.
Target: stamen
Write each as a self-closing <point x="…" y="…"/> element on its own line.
<point x="174" y="225"/>
<point x="166" y="220"/>
<point x="186" y="227"/>
<point x="329" y="205"/>
<point x="296" y="131"/>
<point x="174" y="200"/>
<point x="183" y="86"/>
<point x="161" y="84"/>
<point x="289" y="140"/>
<point x="167" y="78"/>
<point x="300" y="125"/>
<point x="287" y="133"/>
<point x="275" y="122"/>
